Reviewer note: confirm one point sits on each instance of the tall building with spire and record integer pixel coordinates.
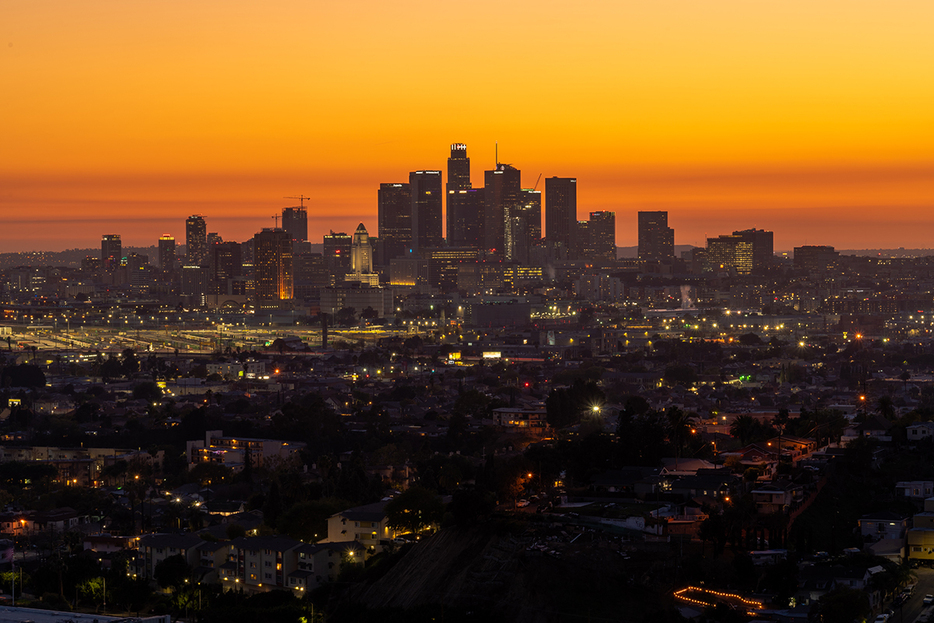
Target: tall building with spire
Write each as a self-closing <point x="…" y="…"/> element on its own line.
<point x="361" y="259"/>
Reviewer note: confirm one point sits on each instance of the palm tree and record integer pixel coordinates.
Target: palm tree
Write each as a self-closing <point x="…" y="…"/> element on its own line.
<point x="744" y="428"/>
<point x="679" y="428"/>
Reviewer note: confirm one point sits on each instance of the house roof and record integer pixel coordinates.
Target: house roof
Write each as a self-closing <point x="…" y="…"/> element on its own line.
<point x="368" y="512"/>
<point x="882" y="516"/>
<point x="178" y="541"/>
<point x="276" y="543"/>
<point x="877" y="422"/>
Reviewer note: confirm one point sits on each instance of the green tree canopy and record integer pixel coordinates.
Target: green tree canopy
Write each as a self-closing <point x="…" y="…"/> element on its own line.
<point x="172" y="572"/>
<point x="414" y="510"/>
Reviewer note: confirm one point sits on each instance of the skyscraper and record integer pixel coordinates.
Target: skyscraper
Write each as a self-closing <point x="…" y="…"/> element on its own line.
<point x="226" y="265"/>
<point x="523" y="226"/>
<point x="427" y="201"/>
<point x="465" y="217"/>
<point x="295" y="222"/>
<point x="656" y="239"/>
<point x="501" y="196"/>
<point x="337" y="246"/>
<point x="602" y="231"/>
<point x="361" y="254"/>
<point x="561" y="212"/>
<point x="111" y="251"/>
<point x="815" y="258"/>
<point x="458" y="168"/>
<point x="762" y="247"/>
<point x="464" y="205"/>
<point x="395" y="222"/>
<point x="730" y="253"/>
<point x="167" y="252"/>
<point x="583" y="248"/>
<point x="361" y="259"/>
<point x="196" y="234"/>
<point x="272" y="268"/>
<point x="530" y="202"/>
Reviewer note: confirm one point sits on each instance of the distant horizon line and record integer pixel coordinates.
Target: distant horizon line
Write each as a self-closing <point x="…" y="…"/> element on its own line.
<point x="618" y="247"/>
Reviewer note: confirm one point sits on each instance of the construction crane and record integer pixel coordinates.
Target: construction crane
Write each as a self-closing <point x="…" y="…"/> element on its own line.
<point x="301" y="200"/>
<point x="537" y="181"/>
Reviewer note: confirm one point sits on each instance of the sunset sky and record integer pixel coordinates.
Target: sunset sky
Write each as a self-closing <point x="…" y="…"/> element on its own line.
<point x="812" y="118"/>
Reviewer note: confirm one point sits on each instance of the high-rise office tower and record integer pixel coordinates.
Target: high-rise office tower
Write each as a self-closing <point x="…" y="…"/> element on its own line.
<point x="602" y="229"/>
<point x="762" y="247"/>
<point x="502" y="187"/>
<point x="427" y="201"/>
<point x="311" y="274"/>
<point x="295" y="222"/>
<point x="272" y="268"/>
<point x="523" y="226"/>
<point x="111" y="251"/>
<point x="815" y="258"/>
<point x="465" y="217"/>
<point x="193" y="283"/>
<point x="530" y="202"/>
<point x="583" y="247"/>
<point x="656" y="239"/>
<point x="561" y="212"/>
<point x="196" y="235"/>
<point x="458" y="168"/>
<point x="167" y="252"/>
<point x="138" y="272"/>
<point x="395" y="222"/>
<point x="730" y="253"/>
<point x="337" y="246"/>
<point x="226" y="266"/>
<point x="464" y="205"/>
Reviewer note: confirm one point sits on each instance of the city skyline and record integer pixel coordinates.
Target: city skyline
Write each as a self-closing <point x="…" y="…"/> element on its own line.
<point x="811" y="121"/>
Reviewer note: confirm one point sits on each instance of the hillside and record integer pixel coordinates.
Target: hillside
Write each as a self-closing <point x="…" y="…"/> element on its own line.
<point x="540" y="573"/>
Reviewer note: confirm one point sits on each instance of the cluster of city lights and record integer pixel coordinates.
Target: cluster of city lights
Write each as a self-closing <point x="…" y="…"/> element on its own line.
<point x="752" y="603"/>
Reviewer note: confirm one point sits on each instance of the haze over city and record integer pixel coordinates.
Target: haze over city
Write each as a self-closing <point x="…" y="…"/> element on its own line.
<point x="813" y="120"/>
<point x="476" y="312"/>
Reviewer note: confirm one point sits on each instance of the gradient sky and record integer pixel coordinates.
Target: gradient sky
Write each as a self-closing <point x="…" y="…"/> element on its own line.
<point x="812" y="118"/>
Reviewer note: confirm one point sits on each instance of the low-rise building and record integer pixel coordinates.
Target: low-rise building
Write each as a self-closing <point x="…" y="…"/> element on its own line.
<point x="367" y="525"/>
<point x="915" y="489"/>
<point x="234" y="452"/>
<point x="319" y="563"/>
<point x="154" y="548"/>
<point x="258" y="563"/>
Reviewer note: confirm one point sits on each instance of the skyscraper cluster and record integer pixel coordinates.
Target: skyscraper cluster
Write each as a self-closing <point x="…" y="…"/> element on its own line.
<point x="502" y="221"/>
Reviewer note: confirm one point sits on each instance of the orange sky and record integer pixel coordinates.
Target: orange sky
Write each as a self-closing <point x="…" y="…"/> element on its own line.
<point x="813" y="119"/>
